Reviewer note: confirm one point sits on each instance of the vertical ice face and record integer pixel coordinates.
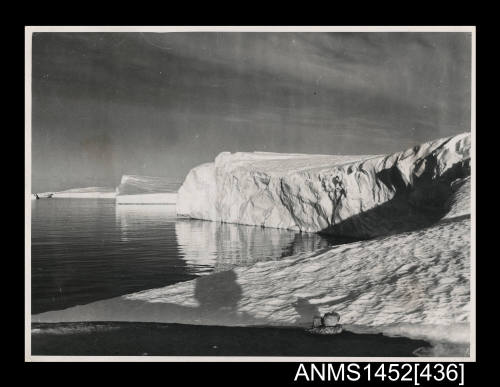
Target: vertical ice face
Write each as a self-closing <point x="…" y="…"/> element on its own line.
<point x="197" y="197"/>
<point x="360" y="196"/>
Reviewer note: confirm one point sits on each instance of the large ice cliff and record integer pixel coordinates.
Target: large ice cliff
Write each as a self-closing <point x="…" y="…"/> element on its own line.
<point x="358" y="196"/>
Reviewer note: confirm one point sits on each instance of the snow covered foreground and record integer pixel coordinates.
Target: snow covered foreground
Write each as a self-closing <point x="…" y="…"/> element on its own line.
<point x="359" y="196"/>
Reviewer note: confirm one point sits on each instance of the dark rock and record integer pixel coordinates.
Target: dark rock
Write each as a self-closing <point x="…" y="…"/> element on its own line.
<point x="331" y="319"/>
<point x="317" y="322"/>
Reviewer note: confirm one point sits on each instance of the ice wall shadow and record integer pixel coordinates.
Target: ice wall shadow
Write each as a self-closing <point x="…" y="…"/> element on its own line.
<point x="415" y="206"/>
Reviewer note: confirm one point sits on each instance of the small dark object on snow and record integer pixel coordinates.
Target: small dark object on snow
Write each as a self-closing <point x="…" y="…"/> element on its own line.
<point x="331" y="319"/>
<point x="326" y="325"/>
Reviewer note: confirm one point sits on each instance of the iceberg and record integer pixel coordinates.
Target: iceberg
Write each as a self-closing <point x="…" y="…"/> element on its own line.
<point x="132" y="189"/>
<point x="135" y="189"/>
<point x="355" y="196"/>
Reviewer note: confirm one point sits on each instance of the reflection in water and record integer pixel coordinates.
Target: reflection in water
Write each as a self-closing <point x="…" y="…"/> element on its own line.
<point x="224" y="245"/>
<point x="133" y="219"/>
<point x="207" y="246"/>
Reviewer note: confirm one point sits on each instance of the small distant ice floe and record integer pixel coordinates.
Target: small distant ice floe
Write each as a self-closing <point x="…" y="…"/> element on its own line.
<point x="36" y="196"/>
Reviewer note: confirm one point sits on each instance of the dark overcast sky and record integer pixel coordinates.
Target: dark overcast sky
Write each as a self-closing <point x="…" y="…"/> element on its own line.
<point x="107" y="104"/>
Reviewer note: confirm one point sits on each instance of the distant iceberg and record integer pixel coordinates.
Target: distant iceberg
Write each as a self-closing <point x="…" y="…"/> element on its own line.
<point x="135" y="189"/>
<point x="132" y="189"/>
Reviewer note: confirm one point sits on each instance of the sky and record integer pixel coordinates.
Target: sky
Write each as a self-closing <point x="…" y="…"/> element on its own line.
<point x="158" y="104"/>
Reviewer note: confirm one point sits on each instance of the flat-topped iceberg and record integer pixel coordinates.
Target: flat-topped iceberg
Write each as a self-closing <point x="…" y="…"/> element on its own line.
<point x="359" y="196"/>
<point x="134" y="189"/>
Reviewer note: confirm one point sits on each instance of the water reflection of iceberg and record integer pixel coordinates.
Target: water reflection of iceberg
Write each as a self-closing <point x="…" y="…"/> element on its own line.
<point x="141" y="220"/>
<point x="224" y="245"/>
<point x="207" y="246"/>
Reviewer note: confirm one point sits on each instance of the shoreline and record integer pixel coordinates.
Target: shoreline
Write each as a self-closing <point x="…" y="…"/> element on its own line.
<point x="170" y="339"/>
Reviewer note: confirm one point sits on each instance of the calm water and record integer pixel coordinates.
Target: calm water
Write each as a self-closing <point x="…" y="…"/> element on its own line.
<point x="85" y="250"/>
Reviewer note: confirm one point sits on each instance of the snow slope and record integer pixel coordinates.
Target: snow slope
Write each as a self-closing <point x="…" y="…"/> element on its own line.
<point x="359" y="196"/>
<point x="135" y="189"/>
